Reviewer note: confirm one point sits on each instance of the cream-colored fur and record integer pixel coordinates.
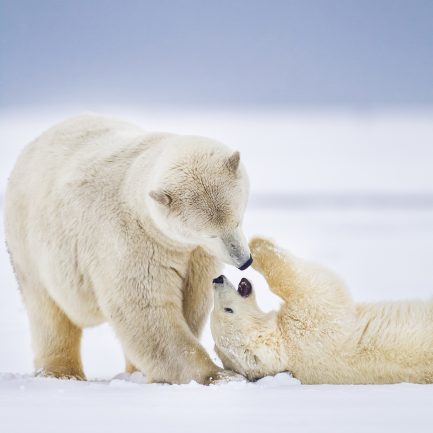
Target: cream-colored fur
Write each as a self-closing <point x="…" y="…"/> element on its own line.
<point x="106" y="222"/>
<point x="319" y="334"/>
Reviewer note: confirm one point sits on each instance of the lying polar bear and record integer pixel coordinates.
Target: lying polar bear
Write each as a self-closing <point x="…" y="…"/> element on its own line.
<point x="319" y="334"/>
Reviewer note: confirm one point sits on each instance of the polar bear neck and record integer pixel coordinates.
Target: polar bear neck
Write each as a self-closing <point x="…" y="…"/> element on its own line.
<point x="280" y="357"/>
<point x="269" y="349"/>
<point x="140" y="180"/>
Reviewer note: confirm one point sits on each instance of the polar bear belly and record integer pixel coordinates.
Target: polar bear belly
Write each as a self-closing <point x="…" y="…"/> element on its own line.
<point x="73" y="292"/>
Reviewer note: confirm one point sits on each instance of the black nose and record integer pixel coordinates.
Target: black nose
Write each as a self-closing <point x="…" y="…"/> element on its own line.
<point x="218" y="280"/>
<point x="246" y="264"/>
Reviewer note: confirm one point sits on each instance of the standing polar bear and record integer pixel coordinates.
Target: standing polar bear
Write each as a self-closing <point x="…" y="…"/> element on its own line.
<point x="105" y="222"/>
<point x="319" y="334"/>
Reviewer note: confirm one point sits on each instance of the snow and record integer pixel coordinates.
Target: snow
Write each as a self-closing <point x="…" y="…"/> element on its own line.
<point x="353" y="191"/>
<point x="50" y="406"/>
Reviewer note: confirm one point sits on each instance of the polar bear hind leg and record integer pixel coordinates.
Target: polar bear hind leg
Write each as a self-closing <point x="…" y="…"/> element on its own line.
<point x="129" y="366"/>
<point x="55" y="339"/>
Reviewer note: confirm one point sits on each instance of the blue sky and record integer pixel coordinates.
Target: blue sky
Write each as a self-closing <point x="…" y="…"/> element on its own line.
<point x="356" y="54"/>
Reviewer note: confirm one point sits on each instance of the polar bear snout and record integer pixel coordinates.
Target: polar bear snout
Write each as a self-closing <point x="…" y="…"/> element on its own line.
<point x="223" y="287"/>
<point x="247" y="264"/>
<point x="218" y="280"/>
<point x="237" y="248"/>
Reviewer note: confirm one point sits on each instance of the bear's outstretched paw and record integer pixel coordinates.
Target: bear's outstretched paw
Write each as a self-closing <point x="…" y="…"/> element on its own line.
<point x="262" y="250"/>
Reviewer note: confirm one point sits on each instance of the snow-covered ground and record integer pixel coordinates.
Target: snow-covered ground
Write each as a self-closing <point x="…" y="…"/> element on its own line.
<point x="354" y="191"/>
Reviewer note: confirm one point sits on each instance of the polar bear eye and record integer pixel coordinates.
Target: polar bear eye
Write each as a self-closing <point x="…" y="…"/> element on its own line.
<point x="228" y="310"/>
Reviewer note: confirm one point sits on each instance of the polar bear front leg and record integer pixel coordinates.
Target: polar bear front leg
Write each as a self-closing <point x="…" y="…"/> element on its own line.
<point x="147" y="316"/>
<point x="276" y="266"/>
<point x="161" y="344"/>
<point x="293" y="278"/>
<point x="197" y="291"/>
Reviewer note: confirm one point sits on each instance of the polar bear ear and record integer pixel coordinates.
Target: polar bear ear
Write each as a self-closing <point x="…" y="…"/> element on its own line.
<point x="161" y="197"/>
<point x="233" y="161"/>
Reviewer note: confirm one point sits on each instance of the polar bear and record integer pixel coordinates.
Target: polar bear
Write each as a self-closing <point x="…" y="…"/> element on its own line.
<point x="319" y="334"/>
<point x="106" y="222"/>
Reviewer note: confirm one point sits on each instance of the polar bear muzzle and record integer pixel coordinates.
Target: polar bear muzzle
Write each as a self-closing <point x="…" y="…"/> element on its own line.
<point x="247" y="264"/>
<point x="218" y="280"/>
<point x="237" y="249"/>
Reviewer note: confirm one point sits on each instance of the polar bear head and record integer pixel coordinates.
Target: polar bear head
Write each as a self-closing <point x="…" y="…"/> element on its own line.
<point x="246" y="339"/>
<point x="199" y="191"/>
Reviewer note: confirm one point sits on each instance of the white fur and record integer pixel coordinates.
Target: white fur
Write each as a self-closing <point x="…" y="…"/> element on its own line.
<point x="90" y="242"/>
<point x="319" y="334"/>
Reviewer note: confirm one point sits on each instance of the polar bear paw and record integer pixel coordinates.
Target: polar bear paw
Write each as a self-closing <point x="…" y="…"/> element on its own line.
<point x="41" y="372"/>
<point x="225" y="376"/>
<point x="262" y="250"/>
